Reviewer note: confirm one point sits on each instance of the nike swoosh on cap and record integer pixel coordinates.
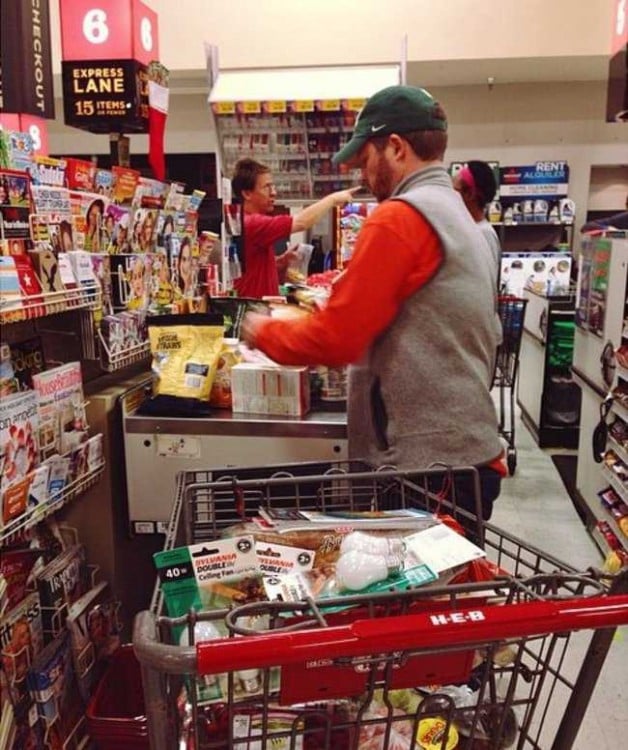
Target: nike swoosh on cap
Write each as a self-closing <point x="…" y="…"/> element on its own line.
<point x="374" y="128"/>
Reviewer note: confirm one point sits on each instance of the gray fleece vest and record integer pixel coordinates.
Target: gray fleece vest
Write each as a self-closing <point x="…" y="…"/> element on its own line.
<point x="421" y="394"/>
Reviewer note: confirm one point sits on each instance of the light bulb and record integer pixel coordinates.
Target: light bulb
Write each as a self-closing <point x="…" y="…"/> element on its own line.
<point x="250" y="680"/>
<point x="371" y="544"/>
<point x="204" y="630"/>
<point x="356" y="570"/>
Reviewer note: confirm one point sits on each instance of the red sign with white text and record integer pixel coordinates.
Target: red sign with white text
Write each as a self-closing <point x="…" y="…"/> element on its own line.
<point x="145" y="33"/>
<point x="36" y="127"/>
<point x="96" y="29"/>
<point x="108" y="29"/>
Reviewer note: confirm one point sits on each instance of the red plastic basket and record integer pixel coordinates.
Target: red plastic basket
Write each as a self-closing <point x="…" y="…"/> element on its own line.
<point x="116" y="717"/>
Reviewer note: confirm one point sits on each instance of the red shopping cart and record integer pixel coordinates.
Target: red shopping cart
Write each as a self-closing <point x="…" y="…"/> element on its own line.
<point x="511" y="314"/>
<point x="482" y="665"/>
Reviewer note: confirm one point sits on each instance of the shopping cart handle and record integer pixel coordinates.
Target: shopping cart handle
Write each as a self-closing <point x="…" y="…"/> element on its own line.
<point x="445" y="628"/>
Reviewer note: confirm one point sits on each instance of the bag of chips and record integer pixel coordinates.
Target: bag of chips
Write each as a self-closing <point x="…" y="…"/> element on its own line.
<point x="185" y="350"/>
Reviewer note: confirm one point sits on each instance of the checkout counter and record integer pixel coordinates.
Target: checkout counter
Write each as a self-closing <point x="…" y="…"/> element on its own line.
<point x="158" y="448"/>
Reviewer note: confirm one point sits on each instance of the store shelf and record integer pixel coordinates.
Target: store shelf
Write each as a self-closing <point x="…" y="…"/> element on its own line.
<point x="330" y="129"/>
<point x="266" y="154"/>
<point x="601" y="540"/>
<point x="620" y="488"/>
<point x="332" y="177"/>
<point x="530" y="224"/>
<point x="116" y="361"/>
<point x="55" y="502"/>
<point x="620" y="411"/>
<point x="50" y="303"/>
<point x="618" y="449"/>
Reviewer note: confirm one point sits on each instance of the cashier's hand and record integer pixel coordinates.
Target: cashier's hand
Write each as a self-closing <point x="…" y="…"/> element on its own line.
<point x="342" y="197"/>
<point x="250" y="326"/>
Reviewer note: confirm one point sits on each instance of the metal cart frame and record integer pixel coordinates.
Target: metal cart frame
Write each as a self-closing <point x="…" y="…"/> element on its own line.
<point x="511" y="314"/>
<point x="509" y="636"/>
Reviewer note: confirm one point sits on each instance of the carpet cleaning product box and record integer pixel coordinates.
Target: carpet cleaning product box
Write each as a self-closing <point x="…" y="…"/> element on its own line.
<point x="270" y="389"/>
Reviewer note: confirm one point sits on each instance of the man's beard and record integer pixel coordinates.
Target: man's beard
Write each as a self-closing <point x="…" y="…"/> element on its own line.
<point x="383" y="182"/>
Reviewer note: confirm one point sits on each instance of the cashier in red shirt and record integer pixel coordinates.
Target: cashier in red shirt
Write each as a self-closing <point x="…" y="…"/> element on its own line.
<point x="252" y="184"/>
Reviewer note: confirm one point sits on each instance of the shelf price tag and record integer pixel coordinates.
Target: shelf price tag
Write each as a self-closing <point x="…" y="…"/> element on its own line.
<point x="224" y="108"/>
<point x="354" y="105"/>
<point x="328" y="105"/>
<point x="303" y="105"/>
<point x="249" y="108"/>
<point x="275" y="107"/>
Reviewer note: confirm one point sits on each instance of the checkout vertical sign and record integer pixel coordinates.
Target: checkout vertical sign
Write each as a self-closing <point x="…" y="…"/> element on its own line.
<point x="106" y="46"/>
<point x="617" y="88"/>
<point x="25" y="59"/>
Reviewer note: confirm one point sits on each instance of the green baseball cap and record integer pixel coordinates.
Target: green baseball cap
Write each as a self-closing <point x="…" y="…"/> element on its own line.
<point x="395" y="109"/>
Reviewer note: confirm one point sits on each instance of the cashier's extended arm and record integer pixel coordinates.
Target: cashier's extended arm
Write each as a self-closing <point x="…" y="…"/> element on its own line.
<point x="306" y="218"/>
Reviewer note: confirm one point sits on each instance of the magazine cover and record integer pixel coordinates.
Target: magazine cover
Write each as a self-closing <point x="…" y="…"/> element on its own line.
<point x="19" y="427"/>
<point x="88" y="211"/>
<point x="46" y="170"/>
<point x="103" y="183"/>
<point x="26" y="495"/>
<point x="48" y="199"/>
<point x="117" y="235"/>
<point x="10" y="293"/>
<point x="64" y="580"/>
<point x="144" y="232"/>
<point x="21" y="640"/>
<point x="16" y="567"/>
<point x="150" y="193"/>
<point x="81" y="262"/>
<point x="27" y="357"/>
<point x="15" y="204"/>
<point x="124" y="184"/>
<point x="101" y="267"/>
<point x="95" y="634"/>
<point x="21" y="149"/>
<point x="172" y="199"/>
<point x="138" y="278"/>
<point x="54" y="688"/>
<point x="30" y="288"/>
<point x="62" y="421"/>
<point x="68" y="279"/>
<point x="15" y="246"/>
<point x="80" y="174"/>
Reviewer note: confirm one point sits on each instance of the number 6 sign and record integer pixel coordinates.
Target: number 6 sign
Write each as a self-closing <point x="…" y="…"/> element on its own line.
<point x="108" y="29"/>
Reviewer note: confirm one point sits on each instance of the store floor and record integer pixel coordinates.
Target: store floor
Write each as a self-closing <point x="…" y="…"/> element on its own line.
<point x="535" y="506"/>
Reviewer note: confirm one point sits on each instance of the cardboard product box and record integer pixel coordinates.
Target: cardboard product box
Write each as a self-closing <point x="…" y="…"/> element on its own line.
<point x="270" y="389"/>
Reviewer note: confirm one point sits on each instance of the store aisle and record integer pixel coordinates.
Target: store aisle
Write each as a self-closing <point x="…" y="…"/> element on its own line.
<point x="535" y="505"/>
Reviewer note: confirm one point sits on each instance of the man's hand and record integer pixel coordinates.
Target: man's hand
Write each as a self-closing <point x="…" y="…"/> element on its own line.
<point x="250" y="326"/>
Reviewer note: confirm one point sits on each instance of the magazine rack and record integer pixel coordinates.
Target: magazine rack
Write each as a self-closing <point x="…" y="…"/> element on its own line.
<point x="50" y="303"/>
<point x="56" y="501"/>
<point x="112" y="361"/>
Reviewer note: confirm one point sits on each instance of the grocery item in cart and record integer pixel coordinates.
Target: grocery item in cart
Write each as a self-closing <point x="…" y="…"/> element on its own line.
<point x="211" y="575"/>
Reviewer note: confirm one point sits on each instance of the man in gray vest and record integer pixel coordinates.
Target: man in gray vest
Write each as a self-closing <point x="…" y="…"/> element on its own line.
<point x="414" y="312"/>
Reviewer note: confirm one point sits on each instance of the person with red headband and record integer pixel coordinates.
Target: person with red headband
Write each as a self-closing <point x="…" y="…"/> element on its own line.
<point x="476" y="184"/>
<point x="413" y="313"/>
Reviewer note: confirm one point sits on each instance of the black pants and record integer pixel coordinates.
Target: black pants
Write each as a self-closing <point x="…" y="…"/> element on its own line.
<point x="463" y="491"/>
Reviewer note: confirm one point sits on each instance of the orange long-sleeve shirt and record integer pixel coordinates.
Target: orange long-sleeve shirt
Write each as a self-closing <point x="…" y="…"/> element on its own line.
<point x="385" y="269"/>
<point x="396" y="253"/>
